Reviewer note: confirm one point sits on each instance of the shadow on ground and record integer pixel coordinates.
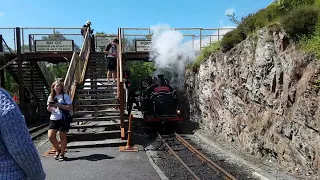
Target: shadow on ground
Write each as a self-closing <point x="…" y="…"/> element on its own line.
<point x="93" y="157"/>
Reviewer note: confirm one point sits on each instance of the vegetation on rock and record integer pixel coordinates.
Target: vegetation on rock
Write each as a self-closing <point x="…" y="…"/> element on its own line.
<point x="299" y="18"/>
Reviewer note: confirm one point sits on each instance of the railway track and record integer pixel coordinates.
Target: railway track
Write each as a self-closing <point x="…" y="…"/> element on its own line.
<point x="196" y="163"/>
<point x="38" y="131"/>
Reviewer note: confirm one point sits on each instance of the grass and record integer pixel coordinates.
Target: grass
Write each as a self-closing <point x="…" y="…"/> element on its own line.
<point x="204" y="55"/>
<point x="311" y="44"/>
<point x="299" y="18"/>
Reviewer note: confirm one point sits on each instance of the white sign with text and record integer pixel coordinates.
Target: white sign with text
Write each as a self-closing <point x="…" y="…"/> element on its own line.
<point x="102" y="41"/>
<point x="65" y="45"/>
<point x="143" y="45"/>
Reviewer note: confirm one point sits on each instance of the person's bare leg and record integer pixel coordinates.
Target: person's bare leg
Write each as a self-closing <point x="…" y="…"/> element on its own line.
<point x="52" y="135"/>
<point x="108" y="75"/>
<point x="63" y="139"/>
<point x="114" y="76"/>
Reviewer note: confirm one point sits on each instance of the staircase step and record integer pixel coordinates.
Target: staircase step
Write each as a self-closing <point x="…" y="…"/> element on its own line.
<point x="93" y="136"/>
<point x="91" y="98"/>
<point x="91" y="85"/>
<point x="97" y="112"/>
<point x="102" y="91"/>
<point x="105" y="101"/>
<point x="98" y="105"/>
<point x="109" y="96"/>
<point x="107" y="125"/>
<point x="105" y="118"/>
<point x="93" y="144"/>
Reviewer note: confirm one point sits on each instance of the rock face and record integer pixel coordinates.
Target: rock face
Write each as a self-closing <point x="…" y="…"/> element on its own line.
<point x="261" y="96"/>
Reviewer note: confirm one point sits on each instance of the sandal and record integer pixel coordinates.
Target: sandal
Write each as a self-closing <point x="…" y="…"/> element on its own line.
<point x="56" y="157"/>
<point x="61" y="157"/>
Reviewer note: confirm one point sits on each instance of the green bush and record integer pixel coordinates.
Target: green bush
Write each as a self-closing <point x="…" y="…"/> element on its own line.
<point x="298" y="17"/>
<point x="204" y="55"/>
<point x="311" y="44"/>
<point x="232" y="38"/>
<point x="290" y="4"/>
<point x="301" y="21"/>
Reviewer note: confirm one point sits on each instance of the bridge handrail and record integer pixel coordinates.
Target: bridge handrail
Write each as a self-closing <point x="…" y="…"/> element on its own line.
<point x="8" y="63"/>
<point x="77" y="67"/>
<point x="5" y="43"/>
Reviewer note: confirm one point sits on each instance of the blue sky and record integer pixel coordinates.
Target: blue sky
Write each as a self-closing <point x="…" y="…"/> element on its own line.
<point x="107" y="15"/>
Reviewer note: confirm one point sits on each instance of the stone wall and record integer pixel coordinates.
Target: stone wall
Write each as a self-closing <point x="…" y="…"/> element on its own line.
<point x="261" y="96"/>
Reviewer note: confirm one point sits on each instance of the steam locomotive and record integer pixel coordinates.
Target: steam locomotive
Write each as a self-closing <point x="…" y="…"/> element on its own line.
<point x="159" y="102"/>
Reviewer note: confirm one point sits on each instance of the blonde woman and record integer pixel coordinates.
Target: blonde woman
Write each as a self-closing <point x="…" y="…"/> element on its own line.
<point x="58" y="101"/>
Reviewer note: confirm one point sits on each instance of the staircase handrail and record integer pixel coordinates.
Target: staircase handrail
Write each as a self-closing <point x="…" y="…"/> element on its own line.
<point x="77" y="66"/>
<point x="49" y="78"/>
<point x="120" y="86"/>
<point x="5" y="43"/>
<point x="8" y="63"/>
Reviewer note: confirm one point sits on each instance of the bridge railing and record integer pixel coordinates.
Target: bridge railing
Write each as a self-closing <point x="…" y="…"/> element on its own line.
<point x="192" y="38"/>
<point x="77" y="67"/>
<point x="29" y="34"/>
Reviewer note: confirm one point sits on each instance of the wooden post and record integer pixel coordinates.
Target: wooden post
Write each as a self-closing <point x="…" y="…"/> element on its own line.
<point x="128" y="147"/>
<point x="19" y="61"/>
<point x="121" y="99"/>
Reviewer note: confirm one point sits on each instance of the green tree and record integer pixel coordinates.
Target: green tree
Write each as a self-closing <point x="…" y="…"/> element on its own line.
<point x="139" y="71"/>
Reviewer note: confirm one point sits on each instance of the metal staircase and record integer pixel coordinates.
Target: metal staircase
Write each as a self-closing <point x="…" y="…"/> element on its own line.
<point x="34" y="81"/>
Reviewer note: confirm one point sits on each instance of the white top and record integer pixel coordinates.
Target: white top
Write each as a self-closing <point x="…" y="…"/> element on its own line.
<point x="113" y="49"/>
<point x="56" y="114"/>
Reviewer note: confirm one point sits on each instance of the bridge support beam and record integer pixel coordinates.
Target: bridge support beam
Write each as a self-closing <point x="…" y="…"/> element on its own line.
<point x="19" y="61"/>
<point x="2" y="79"/>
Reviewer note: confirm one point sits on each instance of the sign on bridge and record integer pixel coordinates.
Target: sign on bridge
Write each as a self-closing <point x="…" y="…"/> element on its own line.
<point x="143" y="45"/>
<point x="44" y="45"/>
<point x="102" y="41"/>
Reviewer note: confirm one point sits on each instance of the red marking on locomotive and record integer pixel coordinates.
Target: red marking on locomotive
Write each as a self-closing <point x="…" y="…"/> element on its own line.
<point x="162" y="89"/>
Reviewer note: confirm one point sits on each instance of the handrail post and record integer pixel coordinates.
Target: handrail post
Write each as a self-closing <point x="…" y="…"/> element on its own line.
<point x="20" y="73"/>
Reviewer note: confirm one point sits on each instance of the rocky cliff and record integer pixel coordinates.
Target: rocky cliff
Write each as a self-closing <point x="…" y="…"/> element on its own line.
<point x="261" y="96"/>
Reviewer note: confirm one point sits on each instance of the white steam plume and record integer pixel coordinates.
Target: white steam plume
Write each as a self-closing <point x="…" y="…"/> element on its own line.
<point x="172" y="54"/>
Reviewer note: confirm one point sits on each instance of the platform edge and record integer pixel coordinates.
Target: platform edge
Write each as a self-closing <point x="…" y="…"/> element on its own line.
<point x="155" y="167"/>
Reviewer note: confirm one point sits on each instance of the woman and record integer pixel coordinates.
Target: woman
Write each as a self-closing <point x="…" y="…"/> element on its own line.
<point x="19" y="158"/>
<point x="57" y="101"/>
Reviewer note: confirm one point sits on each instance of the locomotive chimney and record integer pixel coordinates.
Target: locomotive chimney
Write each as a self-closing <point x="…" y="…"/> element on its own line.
<point x="161" y="81"/>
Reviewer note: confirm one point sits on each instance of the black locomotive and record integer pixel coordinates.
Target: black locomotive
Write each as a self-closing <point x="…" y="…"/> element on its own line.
<point x="160" y="101"/>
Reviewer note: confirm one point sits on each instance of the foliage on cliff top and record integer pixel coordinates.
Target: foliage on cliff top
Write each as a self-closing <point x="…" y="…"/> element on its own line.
<point x="205" y="54"/>
<point x="299" y="18"/>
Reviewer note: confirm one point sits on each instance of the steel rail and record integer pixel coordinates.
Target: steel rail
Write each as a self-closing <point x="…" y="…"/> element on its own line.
<point x="178" y="158"/>
<point x="38" y="131"/>
<point x="211" y="164"/>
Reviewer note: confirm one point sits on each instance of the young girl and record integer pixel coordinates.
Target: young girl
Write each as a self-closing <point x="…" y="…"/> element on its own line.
<point x="55" y="103"/>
